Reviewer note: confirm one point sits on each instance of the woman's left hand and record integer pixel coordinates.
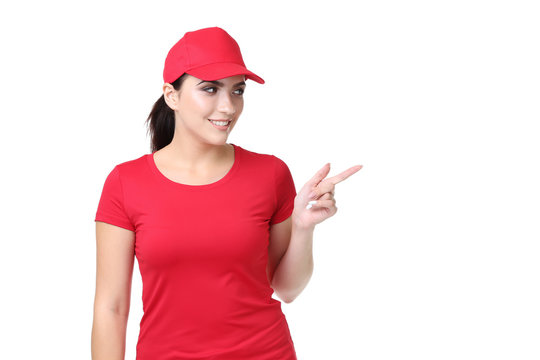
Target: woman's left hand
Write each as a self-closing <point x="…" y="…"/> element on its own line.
<point x="315" y="202"/>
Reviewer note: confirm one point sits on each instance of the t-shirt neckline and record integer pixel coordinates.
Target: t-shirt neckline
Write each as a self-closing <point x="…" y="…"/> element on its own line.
<point x="223" y="180"/>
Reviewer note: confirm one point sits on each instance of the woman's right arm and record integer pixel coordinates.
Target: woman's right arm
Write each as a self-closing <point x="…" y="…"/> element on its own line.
<point x="114" y="270"/>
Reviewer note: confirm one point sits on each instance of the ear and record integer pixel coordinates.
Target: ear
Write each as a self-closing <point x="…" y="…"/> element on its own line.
<point x="170" y="95"/>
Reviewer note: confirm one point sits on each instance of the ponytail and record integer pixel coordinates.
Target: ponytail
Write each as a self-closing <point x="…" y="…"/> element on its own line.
<point x="160" y="122"/>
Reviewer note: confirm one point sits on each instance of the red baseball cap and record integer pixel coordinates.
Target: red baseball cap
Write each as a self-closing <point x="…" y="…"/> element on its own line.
<point x="208" y="54"/>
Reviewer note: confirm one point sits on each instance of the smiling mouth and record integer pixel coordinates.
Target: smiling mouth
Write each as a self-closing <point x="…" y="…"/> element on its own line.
<point x="220" y="122"/>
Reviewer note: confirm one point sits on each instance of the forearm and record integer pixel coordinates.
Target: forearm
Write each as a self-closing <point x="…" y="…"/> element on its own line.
<point x="108" y="335"/>
<point x="296" y="266"/>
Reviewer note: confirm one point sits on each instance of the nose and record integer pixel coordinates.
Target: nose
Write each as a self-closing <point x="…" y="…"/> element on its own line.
<point x="226" y="104"/>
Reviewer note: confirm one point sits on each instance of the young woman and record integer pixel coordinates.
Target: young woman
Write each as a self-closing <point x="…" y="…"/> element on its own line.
<point x="216" y="228"/>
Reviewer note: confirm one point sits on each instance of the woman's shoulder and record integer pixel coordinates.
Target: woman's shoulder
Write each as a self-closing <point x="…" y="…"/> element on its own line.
<point x="256" y="155"/>
<point x="133" y="165"/>
<point x="266" y="160"/>
<point x="134" y="161"/>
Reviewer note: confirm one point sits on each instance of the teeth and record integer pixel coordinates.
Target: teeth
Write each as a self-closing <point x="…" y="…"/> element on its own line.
<point x="220" y="123"/>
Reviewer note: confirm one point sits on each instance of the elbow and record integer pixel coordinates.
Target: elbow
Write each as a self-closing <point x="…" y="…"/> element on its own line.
<point x="286" y="298"/>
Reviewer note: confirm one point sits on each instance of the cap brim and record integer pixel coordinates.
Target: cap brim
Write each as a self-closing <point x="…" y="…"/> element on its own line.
<point x="218" y="71"/>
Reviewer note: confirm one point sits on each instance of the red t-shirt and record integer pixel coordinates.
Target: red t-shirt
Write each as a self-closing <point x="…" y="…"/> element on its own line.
<point x="202" y="254"/>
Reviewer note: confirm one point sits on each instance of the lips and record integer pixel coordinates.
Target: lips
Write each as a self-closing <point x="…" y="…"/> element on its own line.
<point x="221" y="127"/>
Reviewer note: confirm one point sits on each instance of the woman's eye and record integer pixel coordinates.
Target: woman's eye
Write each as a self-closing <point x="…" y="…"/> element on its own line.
<point x="210" y="88"/>
<point x="213" y="89"/>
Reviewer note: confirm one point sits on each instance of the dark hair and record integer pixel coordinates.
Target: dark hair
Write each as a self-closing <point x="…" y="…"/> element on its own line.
<point x="160" y="122"/>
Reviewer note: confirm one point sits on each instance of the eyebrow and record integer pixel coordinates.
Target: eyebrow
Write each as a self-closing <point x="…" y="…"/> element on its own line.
<point x="220" y="84"/>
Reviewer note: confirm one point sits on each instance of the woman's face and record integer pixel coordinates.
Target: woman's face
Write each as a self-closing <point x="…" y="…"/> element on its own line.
<point x="198" y="102"/>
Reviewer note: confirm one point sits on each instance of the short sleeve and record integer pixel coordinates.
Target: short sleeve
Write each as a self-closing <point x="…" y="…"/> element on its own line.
<point x="285" y="191"/>
<point x="111" y="204"/>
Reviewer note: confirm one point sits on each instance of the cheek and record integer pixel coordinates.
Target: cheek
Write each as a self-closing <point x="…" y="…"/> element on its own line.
<point x="202" y="103"/>
<point x="240" y="106"/>
<point x="197" y="104"/>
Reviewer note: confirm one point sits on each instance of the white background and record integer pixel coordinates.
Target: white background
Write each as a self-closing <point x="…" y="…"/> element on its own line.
<point x="434" y="250"/>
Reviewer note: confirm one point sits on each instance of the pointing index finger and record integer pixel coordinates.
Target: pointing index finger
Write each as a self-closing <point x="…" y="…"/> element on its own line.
<point x="345" y="174"/>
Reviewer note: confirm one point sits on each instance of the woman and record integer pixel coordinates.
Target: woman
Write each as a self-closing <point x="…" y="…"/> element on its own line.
<point x="216" y="228"/>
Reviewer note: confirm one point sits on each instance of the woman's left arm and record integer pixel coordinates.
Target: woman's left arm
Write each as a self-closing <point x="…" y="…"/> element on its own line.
<point x="313" y="204"/>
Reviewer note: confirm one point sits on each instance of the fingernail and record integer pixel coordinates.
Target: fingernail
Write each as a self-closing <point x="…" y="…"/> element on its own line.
<point x="310" y="204"/>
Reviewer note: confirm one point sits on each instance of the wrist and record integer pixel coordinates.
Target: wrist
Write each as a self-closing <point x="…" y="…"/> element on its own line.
<point x="298" y="225"/>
